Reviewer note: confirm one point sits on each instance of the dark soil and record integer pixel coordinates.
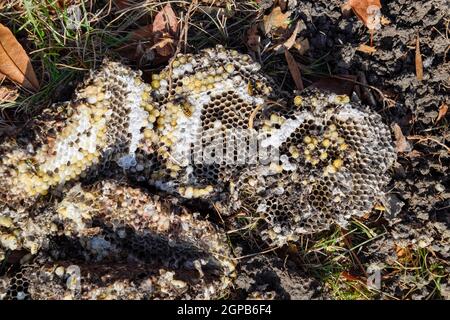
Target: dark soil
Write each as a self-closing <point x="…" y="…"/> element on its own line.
<point x="417" y="220"/>
<point x="412" y="242"/>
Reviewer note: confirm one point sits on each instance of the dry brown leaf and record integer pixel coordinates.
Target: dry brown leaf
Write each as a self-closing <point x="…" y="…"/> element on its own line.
<point x="337" y="86"/>
<point x="418" y="59"/>
<point x="166" y="21"/>
<point x="252" y="38"/>
<point x="368" y="11"/>
<point x="291" y="40"/>
<point x="366" y="49"/>
<point x="349" y="277"/>
<point x="276" y="19"/>
<point x="14" y="61"/>
<point x="165" y="47"/>
<point x="302" y="45"/>
<point x="442" y="112"/>
<point x="294" y="69"/>
<point x="165" y="30"/>
<point x="401" y="144"/>
<point x="8" y="94"/>
<point x="385" y="21"/>
<point x="156" y="42"/>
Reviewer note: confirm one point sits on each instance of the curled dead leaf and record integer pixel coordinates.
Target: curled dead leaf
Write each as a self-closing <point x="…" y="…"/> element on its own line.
<point x="154" y="42"/>
<point x="442" y="112"/>
<point x="166" y="21"/>
<point x="252" y="38"/>
<point x="14" y="61"/>
<point x="401" y="144"/>
<point x="8" y="94"/>
<point x="276" y="19"/>
<point x="366" y="49"/>
<point x="289" y="43"/>
<point x="165" y="31"/>
<point x="418" y="60"/>
<point x="368" y="11"/>
<point x="294" y="69"/>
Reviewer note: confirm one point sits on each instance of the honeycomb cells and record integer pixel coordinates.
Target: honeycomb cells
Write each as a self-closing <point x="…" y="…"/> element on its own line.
<point x="102" y="122"/>
<point x="334" y="158"/>
<point x="120" y="242"/>
<point x="209" y="96"/>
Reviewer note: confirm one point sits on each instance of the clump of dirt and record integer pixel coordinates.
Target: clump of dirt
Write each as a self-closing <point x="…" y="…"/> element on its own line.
<point x="268" y="277"/>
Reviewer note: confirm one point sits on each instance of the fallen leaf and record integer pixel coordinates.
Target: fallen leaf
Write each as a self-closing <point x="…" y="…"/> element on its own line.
<point x="346" y="9"/>
<point x="366" y="49"/>
<point x="302" y="45"/>
<point x="8" y="94"/>
<point x="165" y="30"/>
<point x="291" y="40"/>
<point x="348" y="276"/>
<point x="442" y="112"/>
<point x="385" y="21"/>
<point x="336" y="85"/>
<point x="252" y="38"/>
<point x="401" y="144"/>
<point x="165" y="47"/>
<point x="154" y="42"/>
<point x="368" y="11"/>
<point x="166" y="21"/>
<point x="414" y="154"/>
<point x="14" y="61"/>
<point x="276" y="19"/>
<point x="418" y="60"/>
<point x="294" y="69"/>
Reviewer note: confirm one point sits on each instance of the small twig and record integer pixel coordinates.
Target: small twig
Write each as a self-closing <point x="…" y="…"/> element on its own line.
<point x="347" y="243"/>
<point x="390" y="102"/>
<point x="256" y="254"/>
<point x="253" y="115"/>
<point x="421" y="139"/>
<point x="257" y="109"/>
<point x="183" y="34"/>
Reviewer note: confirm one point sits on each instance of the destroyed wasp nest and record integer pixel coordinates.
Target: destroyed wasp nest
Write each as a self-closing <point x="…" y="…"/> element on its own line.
<point x="112" y="241"/>
<point x="299" y="166"/>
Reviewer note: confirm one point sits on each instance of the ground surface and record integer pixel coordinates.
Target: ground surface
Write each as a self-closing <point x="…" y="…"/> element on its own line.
<point x="406" y="239"/>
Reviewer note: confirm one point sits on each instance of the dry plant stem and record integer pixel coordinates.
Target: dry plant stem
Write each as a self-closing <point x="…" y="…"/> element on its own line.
<point x="421" y="139"/>
<point x="387" y="101"/>
<point x="183" y="35"/>
<point x="347" y="243"/>
<point x="256" y="254"/>
<point x="258" y="108"/>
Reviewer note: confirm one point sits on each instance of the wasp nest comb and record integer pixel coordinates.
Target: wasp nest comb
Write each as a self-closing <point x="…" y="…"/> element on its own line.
<point x="112" y="241"/>
<point x="206" y="127"/>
